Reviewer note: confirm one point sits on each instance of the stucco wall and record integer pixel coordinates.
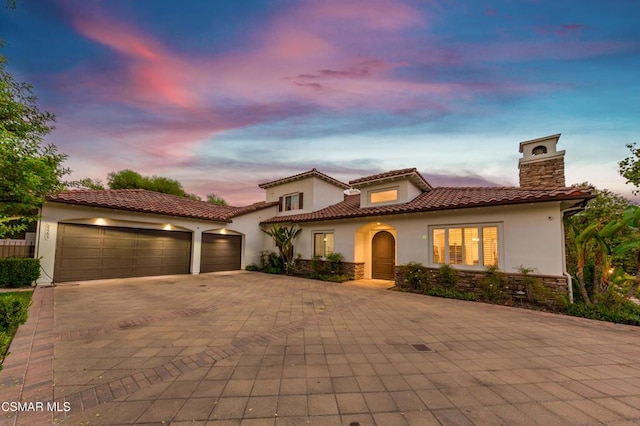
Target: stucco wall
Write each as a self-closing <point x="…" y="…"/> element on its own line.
<point x="531" y="235"/>
<point x="255" y="240"/>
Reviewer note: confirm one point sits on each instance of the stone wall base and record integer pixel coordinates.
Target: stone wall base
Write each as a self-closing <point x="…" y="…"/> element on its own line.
<point x="355" y="270"/>
<point x="514" y="289"/>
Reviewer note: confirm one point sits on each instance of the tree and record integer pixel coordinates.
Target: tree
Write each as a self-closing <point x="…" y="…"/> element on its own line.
<point x="629" y="168"/>
<point x="284" y="238"/>
<point x="632" y="218"/>
<point x="88" y="183"/>
<point x="30" y="170"/>
<point x="214" y="199"/>
<point x="129" y="179"/>
<point x="125" y="179"/>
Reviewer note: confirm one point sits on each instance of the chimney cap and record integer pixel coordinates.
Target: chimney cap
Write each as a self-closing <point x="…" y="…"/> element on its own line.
<point x="552" y="138"/>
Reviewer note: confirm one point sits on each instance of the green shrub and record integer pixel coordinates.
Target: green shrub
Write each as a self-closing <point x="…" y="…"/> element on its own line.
<point x="535" y="290"/>
<point x="447" y="276"/>
<point x="13" y="312"/>
<point x="335" y="262"/>
<point x="252" y="267"/>
<point x="493" y="285"/>
<point x="416" y="279"/>
<point x="336" y="278"/>
<point x="628" y="314"/>
<point x="272" y="262"/>
<point x="18" y="272"/>
<point x="318" y="265"/>
<point x="450" y="293"/>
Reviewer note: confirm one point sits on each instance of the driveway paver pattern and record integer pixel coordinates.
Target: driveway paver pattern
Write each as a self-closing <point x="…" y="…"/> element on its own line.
<point x="255" y="349"/>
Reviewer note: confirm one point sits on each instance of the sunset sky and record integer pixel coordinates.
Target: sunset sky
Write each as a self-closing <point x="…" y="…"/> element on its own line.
<point x="223" y="95"/>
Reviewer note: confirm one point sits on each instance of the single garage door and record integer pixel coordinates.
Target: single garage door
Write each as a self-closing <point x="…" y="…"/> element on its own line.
<point x="98" y="252"/>
<point x="221" y="252"/>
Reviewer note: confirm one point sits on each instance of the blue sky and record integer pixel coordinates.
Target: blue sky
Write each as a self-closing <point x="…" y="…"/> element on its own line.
<point x="225" y="95"/>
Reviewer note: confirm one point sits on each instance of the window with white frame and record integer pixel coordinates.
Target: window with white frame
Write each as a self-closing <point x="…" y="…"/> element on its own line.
<point x="466" y="245"/>
<point x="322" y="244"/>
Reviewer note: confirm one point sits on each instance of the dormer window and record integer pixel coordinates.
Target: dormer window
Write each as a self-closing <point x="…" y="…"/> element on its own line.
<point x="291" y="202"/>
<point x="386" y="195"/>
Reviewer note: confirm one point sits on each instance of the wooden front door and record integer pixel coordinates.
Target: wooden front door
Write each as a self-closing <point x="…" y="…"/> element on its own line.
<point x="383" y="256"/>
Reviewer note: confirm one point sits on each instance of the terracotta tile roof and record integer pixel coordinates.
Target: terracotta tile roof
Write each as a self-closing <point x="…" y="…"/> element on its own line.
<point x="411" y="173"/>
<point x="441" y="199"/>
<point x="239" y="211"/>
<point x="141" y="200"/>
<point x="311" y="173"/>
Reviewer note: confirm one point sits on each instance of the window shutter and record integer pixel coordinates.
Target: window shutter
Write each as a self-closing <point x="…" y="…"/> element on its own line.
<point x="280" y="202"/>
<point x="300" y="201"/>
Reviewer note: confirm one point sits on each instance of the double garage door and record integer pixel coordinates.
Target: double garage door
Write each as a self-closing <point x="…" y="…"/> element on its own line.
<point x="99" y="252"/>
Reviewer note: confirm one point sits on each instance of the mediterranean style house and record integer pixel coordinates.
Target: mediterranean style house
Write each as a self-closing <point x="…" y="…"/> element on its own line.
<point x="376" y="222"/>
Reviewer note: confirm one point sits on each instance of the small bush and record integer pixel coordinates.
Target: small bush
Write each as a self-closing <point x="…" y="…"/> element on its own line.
<point x="450" y="293"/>
<point x="628" y="314"/>
<point x="318" y="265"/>
<point x="18" y="272"/>
<point x="447" y="276"/>
<point x="272" y="262"/>
<point x="335" y="262"/>
<point x="493" y="285"/>
<point x="252" y="267"/>
<point x="335" y="278"/>
<point x="13" y="312"/>
<point x="416" y="278"/>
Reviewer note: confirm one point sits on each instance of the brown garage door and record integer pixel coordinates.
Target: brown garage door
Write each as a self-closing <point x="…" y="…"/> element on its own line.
<point x="97" y="252"/>
<point x="221" y="252"/>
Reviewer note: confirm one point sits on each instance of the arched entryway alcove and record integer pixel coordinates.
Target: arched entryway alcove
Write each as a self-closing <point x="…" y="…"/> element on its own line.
<point x="384" y="255"/>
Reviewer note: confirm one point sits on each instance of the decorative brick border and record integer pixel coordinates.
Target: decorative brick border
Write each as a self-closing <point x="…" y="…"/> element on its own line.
<point x="27" y="374"/>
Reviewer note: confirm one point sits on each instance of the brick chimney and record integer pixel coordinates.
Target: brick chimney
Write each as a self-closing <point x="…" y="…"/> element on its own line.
<point x="541" y="166"/>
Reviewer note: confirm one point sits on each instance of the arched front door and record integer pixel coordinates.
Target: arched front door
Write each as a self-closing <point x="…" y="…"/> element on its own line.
<point x="383" y="256"/>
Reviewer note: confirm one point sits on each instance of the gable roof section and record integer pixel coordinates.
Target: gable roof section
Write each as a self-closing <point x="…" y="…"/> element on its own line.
<point x="441" y="199"/>
<point x="141" y="200"/>
<point x="239" y="211"/>
<point x="311" y="173"/>
<point x="411" y="174"/>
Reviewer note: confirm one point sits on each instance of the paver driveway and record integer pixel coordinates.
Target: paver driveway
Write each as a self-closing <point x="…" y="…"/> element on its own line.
<point x="256" y="349"/>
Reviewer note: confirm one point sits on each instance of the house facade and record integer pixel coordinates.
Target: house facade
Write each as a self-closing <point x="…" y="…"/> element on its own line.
<point x="376" y="222"/>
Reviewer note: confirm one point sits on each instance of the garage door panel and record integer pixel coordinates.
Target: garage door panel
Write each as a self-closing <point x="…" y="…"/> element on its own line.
<point x="84" y="232"/>
<point x="221" y="252"/>
<point x="117" y="262"/>
<point x="79" y="241"/>
<point x="116" y="273"/>
<point x="174" y="252"/>
<point x="92" y="263"/>
<point x="80" y="253"/>
<point x="78" y="274"/>
<point x="118" y="243"/>
<point x="148" y="261"/>
<point x="150" y="244"/>
<point x="92" y="252"/>
<point x="123" y="253"/>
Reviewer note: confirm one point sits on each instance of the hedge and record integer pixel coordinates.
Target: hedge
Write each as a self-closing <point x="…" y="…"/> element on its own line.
<point x="18" y="272"/>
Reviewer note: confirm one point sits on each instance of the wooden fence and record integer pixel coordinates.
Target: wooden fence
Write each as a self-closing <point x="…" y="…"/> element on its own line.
<point x="16" y="248"/>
